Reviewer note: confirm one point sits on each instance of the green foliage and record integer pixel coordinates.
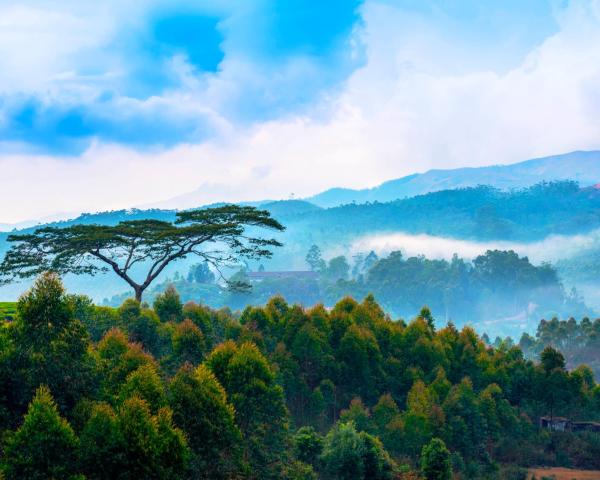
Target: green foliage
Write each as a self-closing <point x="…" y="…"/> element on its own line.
<point x="52" y="345"/>
<point x="201" y="273"/>
<point x="143" y="326"/>
<point x="201" y="410"/>
<point x="578" y="341"/>
<point x="435" y="461"/>
<point x="144" y="383"/>
<point x="348" y="454"/>
<point x="118" y="358"/>
<point x="343" y="453"/>
<point x="314" y="259"/>
<point x="97" y="320"/>
<point x="132" y="443"/>
<point x="44" y="446"/>
<point x="498" y="285"/>
<point x="259" y="404"/>
<point x="188" y="343"/>
<point x="44" y="311"/>
<point x="358" y="414"/>
<point x="297" y="470"/>
<point x="213" y="396"/>
<point x="308" y="445"/>
<point x="153" y="446"/>
<point x="102" y="445"/>
<point x="129" y="311"/>
<point x="168" y="306"/>
<point x="154" y="244"/>
<point x="258" y="401"/>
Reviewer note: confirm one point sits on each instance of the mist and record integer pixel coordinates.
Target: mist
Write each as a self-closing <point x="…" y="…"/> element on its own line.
<point x="550" y="249"/>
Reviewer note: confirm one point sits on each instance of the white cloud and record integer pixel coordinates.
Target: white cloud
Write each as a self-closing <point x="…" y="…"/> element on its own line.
<point x="38" y="44"/>
<point x="410" y="108"/>
<point x="550" y="249"/>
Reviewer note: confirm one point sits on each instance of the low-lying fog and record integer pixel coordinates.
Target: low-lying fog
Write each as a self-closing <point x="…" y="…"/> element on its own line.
<point x="550" y="249"/>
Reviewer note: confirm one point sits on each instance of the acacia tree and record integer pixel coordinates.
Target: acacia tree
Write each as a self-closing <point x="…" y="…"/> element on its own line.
<point x="217" y="235"/>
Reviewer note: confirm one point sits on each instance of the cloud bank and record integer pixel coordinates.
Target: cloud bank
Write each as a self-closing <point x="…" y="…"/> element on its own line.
<point x="111" y="106"/>
<point x="550" y="249"/>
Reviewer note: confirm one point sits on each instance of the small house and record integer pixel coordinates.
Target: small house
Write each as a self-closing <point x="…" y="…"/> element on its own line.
<point x="298" y="274"/>
<point x="556" y="424"/>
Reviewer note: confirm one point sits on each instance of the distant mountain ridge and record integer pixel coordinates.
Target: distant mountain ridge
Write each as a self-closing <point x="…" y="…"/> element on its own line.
<point x="478" y="214"/>
<point x="580" y="166"/>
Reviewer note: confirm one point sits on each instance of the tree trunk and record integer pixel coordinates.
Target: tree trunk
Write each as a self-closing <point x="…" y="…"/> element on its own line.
<point x="138" y="293"/>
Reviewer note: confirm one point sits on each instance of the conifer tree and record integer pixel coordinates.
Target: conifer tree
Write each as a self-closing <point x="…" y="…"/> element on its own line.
<point x="202" y="411"/>
<point x="44" y="447"/>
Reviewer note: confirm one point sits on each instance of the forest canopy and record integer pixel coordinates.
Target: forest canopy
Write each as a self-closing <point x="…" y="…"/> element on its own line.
<point x="499" y="292"/>
<point x="184" y="391"/>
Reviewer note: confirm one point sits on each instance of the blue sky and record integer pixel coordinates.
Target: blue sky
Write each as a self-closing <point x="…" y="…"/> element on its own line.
<point x="130" y="103"/>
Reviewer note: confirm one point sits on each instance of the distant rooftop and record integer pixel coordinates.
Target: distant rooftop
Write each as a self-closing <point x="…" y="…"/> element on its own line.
<point x="285" y="274"/>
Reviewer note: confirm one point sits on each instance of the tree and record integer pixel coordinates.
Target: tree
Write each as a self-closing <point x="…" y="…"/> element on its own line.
<point x="348" y="454"/>
<point x="168" y="306"/>
<point x="53" y="344"/>
<point x="201" y="410"/>
<point x="370" y="260"/>
<point x="435" y="461"/>
<point x="314" y="259"/>
<point x="342" y="452"/>
<point x="337" y="269"/>
<point x="118" y="359"/>
<point x="308" y="445"/>
<point x="152" y="244"/>
<point x="552" y="385"/>
<point x="153" y="446"/>
<point x="426" y="315"/>
<point x="44" y="446"/>
<point x="146" y="384"/>
<point x="552" y="359"/>
<point x="201" y="273"/>
<point x="420" y="417"/>
<point x="132" y="443"/>
<point x="102" y="446"/>
<point x="188" y="343"/>
<point x="259" y="404"/>
<point x="358" y="414"/>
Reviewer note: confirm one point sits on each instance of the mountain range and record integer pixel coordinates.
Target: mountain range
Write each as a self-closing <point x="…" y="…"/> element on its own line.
<point x="582" y="167"/>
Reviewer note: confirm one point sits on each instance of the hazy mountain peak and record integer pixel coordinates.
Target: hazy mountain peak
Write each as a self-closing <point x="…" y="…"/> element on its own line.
<point x="581" y="166"/>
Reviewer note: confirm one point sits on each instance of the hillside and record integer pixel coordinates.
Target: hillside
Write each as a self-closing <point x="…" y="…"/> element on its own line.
<point x="480" y="214"/>
<point x="476" y="213"/>
<point x="277" y="392"/>
<point x="583" y="167"/>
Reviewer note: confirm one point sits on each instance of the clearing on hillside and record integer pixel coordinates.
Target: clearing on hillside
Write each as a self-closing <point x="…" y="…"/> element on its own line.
<point x="563" y="474"/>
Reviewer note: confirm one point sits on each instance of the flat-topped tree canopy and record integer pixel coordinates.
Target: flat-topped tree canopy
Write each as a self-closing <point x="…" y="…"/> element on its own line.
<point x="218" y="235"/>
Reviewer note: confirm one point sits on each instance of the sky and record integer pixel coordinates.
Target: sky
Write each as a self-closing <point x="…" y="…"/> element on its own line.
<point x="112" y="104"/>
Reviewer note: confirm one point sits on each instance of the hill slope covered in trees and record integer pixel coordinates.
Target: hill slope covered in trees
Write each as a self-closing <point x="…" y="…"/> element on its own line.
<point x="480" y="214"/>
<point x="183" y="391"/>
<point x="583" y="167"/>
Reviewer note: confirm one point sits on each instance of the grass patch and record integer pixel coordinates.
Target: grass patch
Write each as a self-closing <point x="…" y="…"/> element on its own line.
<point x="8" y="310"/>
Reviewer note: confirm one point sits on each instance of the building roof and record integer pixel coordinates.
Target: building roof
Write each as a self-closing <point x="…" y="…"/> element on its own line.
<point x="294" y="273"/>
<point x="555" y="419"/>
